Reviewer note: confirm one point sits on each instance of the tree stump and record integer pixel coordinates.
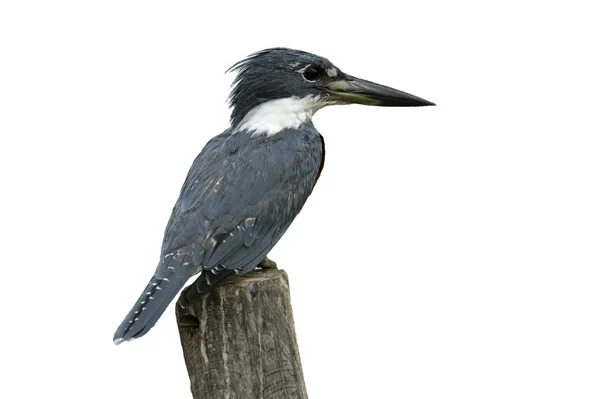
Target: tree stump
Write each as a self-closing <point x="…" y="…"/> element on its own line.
<point x="243" y="344"/>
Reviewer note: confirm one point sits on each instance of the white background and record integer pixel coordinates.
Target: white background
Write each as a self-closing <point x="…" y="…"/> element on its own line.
<point x="447" y="252"/>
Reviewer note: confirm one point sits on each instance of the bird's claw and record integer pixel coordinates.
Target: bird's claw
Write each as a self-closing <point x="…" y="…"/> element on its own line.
<point x="267" y="264"/>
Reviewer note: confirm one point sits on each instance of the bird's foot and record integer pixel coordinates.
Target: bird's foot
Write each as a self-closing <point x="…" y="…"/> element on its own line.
<point x="267" y="264"/>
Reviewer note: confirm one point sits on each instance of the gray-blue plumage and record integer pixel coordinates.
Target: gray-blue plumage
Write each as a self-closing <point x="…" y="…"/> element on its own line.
<point x="249" y="183"/>
<point x="240" y="196"/>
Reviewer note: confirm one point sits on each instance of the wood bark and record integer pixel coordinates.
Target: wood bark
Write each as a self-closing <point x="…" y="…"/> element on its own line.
<point x="243" y="343"/>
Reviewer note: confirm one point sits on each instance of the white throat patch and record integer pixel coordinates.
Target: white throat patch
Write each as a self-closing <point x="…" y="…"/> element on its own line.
<point x="274" y="116"/>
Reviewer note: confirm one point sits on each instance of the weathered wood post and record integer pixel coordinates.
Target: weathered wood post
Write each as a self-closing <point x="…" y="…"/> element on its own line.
<point x="244" y="345"/>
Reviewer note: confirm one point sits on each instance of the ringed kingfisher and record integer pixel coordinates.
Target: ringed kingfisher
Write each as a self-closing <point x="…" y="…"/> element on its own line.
<point x="248" y="184"/>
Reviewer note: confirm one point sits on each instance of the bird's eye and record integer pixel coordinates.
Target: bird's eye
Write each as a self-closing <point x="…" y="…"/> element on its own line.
<point x="311" y="73"/>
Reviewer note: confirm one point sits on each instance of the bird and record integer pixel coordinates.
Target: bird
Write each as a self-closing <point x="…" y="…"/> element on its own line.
<point x="249" y="183"/>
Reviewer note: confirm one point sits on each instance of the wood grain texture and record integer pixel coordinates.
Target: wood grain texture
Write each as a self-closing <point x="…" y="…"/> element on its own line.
<point x="245" y="345"/>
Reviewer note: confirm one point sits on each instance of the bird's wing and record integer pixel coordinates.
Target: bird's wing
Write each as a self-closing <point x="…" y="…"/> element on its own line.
<point x="240" y="196"/>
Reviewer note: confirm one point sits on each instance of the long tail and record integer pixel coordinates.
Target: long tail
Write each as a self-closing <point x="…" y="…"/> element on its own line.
<point x="149" y="307"/>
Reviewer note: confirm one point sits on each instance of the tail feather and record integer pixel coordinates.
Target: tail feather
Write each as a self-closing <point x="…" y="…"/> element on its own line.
<point x="159" y="292"/>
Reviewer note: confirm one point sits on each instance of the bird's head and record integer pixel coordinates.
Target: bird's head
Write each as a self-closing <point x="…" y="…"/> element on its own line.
<point x="282" y="88"/>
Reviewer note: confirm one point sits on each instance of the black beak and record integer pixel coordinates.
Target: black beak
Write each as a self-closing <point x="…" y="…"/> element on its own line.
<point x="351" y="90"/>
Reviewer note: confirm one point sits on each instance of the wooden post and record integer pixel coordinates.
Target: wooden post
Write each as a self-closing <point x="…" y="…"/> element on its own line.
<point x="244" y="342"/>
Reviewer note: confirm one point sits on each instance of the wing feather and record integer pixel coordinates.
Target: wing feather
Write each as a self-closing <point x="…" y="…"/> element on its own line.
<point x="241" y="195"/>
